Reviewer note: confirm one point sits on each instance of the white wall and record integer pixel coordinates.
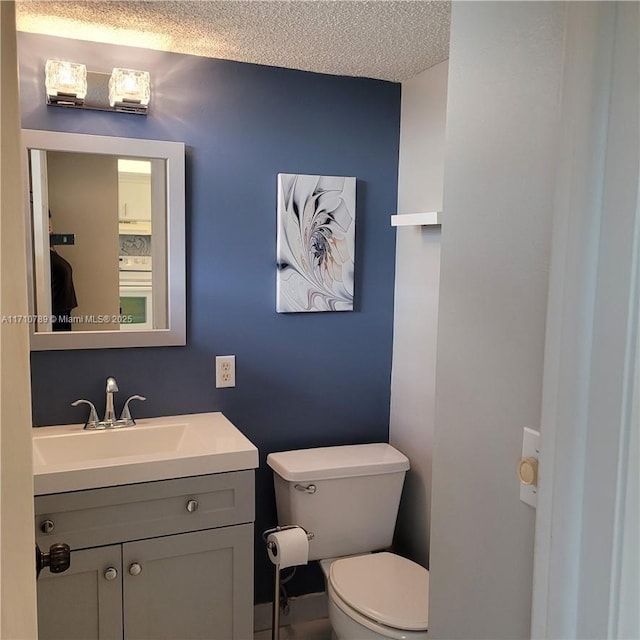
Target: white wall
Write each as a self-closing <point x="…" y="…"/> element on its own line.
<point x="17" y="543"/>
<point x="504" y="79"/>
<point x="420" y="185"/>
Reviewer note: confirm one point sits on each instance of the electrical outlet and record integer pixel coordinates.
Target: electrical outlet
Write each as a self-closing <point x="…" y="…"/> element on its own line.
<point x="225" y="371"/>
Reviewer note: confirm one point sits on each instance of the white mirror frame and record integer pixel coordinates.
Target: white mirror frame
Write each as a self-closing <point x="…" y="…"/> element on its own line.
<point x="173" y="155"/>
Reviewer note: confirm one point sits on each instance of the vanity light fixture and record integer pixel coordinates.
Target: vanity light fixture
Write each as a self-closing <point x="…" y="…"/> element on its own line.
<point x="129" y="90"/>
<point x="66" y="83"/>
<point x="69" y="84"/>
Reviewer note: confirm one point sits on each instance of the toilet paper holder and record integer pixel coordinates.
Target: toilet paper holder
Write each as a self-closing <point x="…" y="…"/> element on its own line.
<point x="275" y="617"/>
<point x="268" y="532"/>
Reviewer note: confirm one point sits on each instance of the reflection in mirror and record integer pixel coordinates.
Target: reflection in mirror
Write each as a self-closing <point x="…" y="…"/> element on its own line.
<point x="107" y="241"/>
<point x="136" y="243"/>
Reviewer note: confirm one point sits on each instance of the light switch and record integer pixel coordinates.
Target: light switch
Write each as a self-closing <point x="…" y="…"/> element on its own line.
<point x="528" y="467"/>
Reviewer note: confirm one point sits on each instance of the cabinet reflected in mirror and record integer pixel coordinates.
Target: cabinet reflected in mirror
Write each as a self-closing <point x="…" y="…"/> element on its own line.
<point x="106" y="222"/>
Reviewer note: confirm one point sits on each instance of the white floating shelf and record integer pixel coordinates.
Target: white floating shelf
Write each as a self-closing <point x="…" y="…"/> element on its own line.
<point x="430" y="218"/>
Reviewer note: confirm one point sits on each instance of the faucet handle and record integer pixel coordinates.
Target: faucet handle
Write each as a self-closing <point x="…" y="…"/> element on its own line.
<point x="92" y="420"/>
<point x="126" y="413"/>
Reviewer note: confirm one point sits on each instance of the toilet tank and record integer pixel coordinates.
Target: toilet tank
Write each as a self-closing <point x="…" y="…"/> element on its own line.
<point x="347" y="496"/>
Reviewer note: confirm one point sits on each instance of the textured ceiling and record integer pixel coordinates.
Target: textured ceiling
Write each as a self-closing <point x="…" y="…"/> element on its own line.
<point x="385" y="39"/>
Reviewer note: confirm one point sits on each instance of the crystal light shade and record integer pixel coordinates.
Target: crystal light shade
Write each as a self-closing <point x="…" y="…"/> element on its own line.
<point x="65" y="82"/>
<point x="129" y="90"/>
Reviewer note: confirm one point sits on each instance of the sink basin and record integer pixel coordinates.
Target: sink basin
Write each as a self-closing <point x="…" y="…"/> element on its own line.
<point x="86" y="445"/>
<point x="70" y="458"/>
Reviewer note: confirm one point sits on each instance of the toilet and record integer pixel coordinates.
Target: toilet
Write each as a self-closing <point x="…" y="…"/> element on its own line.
<point x="348" y="497"/>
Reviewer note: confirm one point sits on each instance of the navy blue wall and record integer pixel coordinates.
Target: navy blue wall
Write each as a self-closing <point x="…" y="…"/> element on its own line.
<point x="303" y="380"/>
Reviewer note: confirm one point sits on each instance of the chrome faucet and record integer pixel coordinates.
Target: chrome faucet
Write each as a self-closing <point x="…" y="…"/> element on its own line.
<point x="126" y="416"/>
<point x="110" y="421"/>
<point x="109" y="412"/>
<point x="92" y="420"/>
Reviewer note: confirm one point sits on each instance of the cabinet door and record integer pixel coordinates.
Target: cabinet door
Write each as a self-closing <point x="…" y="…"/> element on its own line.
<point x="191" y="585"/>
<point x="134" y="195"/>
<point x="84" y="602"/>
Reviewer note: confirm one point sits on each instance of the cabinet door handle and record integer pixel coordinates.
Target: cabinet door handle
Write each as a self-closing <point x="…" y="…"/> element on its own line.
<point x="192" y="505"/>
<point x="111" y="573"/>
<point x="135" y="569"/>
<point x="47" y="526"/>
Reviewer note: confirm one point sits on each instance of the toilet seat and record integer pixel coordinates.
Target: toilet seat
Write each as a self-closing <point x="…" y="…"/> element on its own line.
<point x="384" y="589"/>
<point x="358" y="623"/>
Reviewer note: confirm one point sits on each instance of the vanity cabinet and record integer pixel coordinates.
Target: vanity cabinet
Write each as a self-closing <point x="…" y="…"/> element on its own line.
<point x="170" y="560"/>
<point x="81" y="604"/>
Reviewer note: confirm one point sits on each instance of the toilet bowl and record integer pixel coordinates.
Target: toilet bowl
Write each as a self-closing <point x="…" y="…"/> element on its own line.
<point x="348" y="497"/>
<point x="377" y="596"/>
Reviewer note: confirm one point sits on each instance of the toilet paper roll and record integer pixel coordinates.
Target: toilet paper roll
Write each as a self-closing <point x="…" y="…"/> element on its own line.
<point x="290" y="547"/>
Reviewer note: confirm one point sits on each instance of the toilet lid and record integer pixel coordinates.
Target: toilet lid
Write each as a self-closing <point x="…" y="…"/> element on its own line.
<point x="384" y="587"/>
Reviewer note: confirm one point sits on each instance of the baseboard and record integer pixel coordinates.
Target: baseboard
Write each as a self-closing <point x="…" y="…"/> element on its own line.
<point x="311" y="606"/>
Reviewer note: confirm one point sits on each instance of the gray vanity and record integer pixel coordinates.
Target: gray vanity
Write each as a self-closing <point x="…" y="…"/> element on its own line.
<point x="161" y="535"/>
<point x="158" y="514"/>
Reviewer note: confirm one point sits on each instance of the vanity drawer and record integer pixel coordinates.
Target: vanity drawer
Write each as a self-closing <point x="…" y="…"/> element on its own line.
<point x="98" y="517"/>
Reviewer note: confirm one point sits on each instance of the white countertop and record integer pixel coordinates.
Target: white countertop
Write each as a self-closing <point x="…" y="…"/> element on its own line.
<point x="70" y="458"/>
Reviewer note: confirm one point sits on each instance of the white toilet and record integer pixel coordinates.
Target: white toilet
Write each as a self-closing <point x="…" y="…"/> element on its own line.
<point x="348" y="497"/>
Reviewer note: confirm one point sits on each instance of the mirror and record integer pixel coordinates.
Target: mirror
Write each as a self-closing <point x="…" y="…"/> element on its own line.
<point x="106" y="241"/>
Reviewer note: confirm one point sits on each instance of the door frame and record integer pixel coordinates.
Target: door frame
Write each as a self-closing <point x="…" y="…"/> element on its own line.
<point x="586" y="506"/>
<point x="17" y="536"/>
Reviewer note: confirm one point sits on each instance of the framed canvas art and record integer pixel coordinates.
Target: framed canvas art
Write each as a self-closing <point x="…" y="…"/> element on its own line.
<point x="315" y="243"/>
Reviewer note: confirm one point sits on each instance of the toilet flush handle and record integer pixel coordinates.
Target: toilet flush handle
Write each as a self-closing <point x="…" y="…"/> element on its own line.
<point x="310" y="488"/>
